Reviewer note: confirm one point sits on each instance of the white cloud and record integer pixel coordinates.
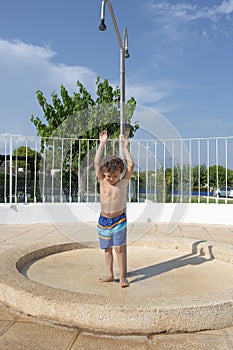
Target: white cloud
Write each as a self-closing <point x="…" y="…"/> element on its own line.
<point x="20" y="50"/>
<point x="35" y="63"/>
<point x="226" y="7"/>
<point x="169" y="10"/>
<point x="152" y="92"/>
<point x="189" y="12"/>
<point x="26" y="68"/>
<point x="146" y="93"/>
<point x="173" y="17"/>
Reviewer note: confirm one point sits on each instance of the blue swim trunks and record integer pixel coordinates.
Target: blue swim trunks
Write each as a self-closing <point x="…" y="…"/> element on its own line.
<point x="112" y="231"/>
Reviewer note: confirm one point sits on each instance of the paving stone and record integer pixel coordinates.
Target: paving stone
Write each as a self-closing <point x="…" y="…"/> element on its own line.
<point x="230" y="330"/>
<point x="5" y="313"/>
<point x="190" y="342"/>
<point x="105" y="342"/>
<point x="230" y="340"/>
<point x="4" y="325"/>
<point x="28" y="336"/>
<point x="18" y="332"/>
<point x="221" y="331"/>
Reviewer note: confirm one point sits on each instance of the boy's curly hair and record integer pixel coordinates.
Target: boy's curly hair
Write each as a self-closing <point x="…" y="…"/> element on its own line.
<point x="112" y="164"/>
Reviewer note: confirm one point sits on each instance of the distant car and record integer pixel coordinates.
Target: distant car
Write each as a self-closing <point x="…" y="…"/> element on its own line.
<point x="225" y="192"/>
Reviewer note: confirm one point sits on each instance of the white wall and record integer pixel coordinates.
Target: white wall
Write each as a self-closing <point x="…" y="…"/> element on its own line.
<point x="136" y="212"/>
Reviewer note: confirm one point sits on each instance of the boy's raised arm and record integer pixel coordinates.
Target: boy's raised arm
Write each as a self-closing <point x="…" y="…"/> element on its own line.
<point x="99" y="153"/>
<point x="128" y="158"/>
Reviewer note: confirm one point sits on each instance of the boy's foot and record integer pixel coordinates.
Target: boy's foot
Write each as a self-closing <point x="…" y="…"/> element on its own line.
<point x="106" y="279"/>
<point x="124" y="283"/>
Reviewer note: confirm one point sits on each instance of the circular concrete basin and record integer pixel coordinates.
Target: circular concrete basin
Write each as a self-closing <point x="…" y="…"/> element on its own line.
<point x="175" y="286"/>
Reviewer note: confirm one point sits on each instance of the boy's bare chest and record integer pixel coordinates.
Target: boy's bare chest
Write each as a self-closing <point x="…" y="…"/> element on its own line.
<point x="109" y="192"/>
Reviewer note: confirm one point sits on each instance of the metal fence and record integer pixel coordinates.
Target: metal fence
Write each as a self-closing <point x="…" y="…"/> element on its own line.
<point x="62" y="170"/>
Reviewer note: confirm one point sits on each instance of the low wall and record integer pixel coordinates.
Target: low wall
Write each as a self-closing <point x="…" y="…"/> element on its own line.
<point x="136" y="212"/>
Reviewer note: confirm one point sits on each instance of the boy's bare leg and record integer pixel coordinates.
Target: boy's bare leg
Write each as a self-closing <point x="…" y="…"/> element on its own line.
<point x="120" y="252"/>
<point x="109" y="265"/>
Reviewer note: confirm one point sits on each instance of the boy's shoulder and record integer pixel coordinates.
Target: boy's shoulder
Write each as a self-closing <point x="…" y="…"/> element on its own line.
<point x="123" y="181"/>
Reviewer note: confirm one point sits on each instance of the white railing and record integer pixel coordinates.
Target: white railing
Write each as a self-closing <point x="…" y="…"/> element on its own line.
<point x="176" y="170"/>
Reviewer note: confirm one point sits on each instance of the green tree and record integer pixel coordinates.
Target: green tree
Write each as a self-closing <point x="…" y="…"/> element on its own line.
<point x="80" y="116"/>
<point x="199" y="175"/>
<point x="26" y="158"/>
<point x="70" y="127"/>
<point x="219" y="172"/>
<point x="29" y="160"/>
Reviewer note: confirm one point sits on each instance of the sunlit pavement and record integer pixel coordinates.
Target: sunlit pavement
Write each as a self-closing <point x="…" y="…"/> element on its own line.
<point x="19" y="331"/>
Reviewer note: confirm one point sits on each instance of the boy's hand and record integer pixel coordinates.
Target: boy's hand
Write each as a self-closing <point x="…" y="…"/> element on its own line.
<point x="103" y="136"/>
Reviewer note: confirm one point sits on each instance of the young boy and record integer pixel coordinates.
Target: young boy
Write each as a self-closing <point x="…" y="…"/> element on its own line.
<point x="112" y="220"/>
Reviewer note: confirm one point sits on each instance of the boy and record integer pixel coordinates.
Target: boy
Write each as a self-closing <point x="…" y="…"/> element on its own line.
<point x="112" y="220"/>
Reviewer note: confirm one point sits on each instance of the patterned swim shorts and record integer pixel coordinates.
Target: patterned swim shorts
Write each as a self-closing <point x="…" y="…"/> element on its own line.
<point x="112" y="231"/>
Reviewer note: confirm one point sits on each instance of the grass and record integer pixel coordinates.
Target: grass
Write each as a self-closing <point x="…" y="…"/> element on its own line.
<point x="194" y="199"/>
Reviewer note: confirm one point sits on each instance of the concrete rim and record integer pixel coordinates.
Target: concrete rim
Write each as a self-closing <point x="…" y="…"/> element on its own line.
<point x="96" y="313"/>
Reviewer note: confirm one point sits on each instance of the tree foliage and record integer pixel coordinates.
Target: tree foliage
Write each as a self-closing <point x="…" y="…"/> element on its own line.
<point x="199" y="175"/>
<point x="80" y="116"/>
<point x="224" y="176"/>
<point x="31" y="158"/>
<point x="70" y="126"/>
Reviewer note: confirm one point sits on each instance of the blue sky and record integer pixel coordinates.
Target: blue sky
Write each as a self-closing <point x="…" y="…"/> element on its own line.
<point x="180" y="64"/>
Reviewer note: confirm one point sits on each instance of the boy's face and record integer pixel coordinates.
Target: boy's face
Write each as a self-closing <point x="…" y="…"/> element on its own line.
<point x="113" y="178"/>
